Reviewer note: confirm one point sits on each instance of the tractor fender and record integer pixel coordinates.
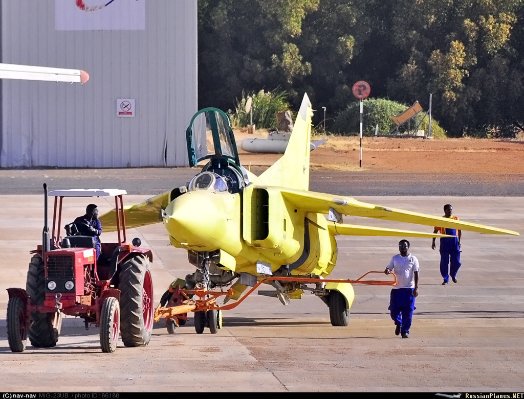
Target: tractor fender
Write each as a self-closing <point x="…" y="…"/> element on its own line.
<point x="346" y="289"/>
<point x="124" y="256"/>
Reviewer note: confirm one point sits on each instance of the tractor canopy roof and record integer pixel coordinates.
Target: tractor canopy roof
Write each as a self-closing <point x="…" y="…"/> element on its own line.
<point x="87" y="192"/>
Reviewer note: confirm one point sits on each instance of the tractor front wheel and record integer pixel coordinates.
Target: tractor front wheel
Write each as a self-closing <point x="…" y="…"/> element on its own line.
<point x="42" y="334"/>
<point x="136" y="301"/>
<point x="16" y="324"/>
<point x="109" y="324"/>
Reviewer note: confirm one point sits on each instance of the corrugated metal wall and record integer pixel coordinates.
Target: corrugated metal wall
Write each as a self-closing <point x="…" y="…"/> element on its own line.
<point x="45" y="124"/>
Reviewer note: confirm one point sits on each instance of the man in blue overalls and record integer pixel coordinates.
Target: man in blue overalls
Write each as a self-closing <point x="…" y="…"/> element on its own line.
<point x="405" y="266"/>
<point x="89" y="225"/>
<point x="449" y="248"/>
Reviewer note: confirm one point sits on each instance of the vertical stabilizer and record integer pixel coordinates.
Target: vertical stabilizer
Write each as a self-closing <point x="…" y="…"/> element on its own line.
<point x="292" y="169"/>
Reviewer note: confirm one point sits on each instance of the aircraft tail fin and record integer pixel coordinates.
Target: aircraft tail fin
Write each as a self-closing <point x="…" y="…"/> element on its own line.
<point x="292" y="169"/>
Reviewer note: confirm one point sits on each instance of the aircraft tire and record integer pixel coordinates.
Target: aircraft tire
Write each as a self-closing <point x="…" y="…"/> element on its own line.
<point x="338" y="309"/>
<point x="170" y="326"/>
<point x="200" y="322"/>
<point x="41" y="332"/>
<point x="212" y="321"/>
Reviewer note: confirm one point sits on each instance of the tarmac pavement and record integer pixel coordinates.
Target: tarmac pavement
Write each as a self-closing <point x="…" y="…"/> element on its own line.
<point x="466" y="337"/>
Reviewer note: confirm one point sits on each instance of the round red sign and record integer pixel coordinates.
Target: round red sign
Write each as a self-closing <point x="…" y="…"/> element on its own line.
<point x="361" y="89"/>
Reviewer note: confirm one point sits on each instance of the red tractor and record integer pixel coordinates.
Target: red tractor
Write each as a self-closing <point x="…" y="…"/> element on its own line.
<point x="113" y="292"/>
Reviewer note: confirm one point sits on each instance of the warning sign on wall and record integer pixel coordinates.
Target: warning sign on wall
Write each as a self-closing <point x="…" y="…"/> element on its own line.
<point x="125" y="107"/>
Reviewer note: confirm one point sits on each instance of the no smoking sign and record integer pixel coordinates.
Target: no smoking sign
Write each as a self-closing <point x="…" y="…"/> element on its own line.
<point x="125" y="107"/>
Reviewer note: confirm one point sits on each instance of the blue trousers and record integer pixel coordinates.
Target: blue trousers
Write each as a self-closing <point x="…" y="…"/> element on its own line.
<point x="401" y="307"/>
<point x="449" y="257"/>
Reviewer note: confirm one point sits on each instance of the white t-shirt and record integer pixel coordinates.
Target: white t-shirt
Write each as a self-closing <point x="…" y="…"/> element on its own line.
<point x="404" y="267"/>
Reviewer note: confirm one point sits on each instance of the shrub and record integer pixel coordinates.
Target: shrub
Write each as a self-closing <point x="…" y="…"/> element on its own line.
<point x="265" y="106"/>
<point x="379" y="112"/>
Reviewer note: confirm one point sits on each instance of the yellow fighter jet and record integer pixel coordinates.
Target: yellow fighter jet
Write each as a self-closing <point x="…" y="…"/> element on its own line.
<point x="242" y="230"/>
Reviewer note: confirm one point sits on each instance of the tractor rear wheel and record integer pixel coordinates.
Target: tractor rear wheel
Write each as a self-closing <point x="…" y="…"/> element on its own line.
<point x="338" y="309"/>
<point x="136" y="301"/>
<point x="16" y="324"/>
<point x="109" y="324"/>
<point x="41" y="331"/>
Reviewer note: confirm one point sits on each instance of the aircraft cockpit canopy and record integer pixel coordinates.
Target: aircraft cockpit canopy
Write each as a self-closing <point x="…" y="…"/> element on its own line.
<point x="209" y="134"/>
<point x="208" y="181"/>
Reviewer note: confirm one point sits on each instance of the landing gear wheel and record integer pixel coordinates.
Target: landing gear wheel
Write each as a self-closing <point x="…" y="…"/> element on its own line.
<point x="338" y="309"/>
<point x="16" y="324"/>
<point x="220" y="322"/>
<point x="200" y="322"/>
<point x="171" y="326"/>
<point x="136" y="301"/>
<point x="41" y="332"/>
<point x="109" y="324"/>
<point x="212" y="321"/>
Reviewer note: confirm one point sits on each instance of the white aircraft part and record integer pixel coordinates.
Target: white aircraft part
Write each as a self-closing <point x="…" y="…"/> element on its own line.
<point x="29" y="72"/>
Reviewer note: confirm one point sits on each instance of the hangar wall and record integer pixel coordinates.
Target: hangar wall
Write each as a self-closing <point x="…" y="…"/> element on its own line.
<point x="141" y="51"/>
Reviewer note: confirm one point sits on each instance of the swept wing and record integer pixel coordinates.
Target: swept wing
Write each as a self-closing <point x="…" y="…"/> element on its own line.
<point x="322" y="203"/>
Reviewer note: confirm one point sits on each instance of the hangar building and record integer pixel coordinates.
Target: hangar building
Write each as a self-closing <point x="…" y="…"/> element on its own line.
<point x="141" y="57"/>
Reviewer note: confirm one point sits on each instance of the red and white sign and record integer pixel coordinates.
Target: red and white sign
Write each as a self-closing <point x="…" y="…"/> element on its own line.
<point x="125" y="107"/>
<point x="361" y="89"/>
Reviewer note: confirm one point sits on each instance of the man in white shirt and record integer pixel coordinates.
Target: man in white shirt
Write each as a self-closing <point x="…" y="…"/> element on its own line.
<point x="405" y="267"/>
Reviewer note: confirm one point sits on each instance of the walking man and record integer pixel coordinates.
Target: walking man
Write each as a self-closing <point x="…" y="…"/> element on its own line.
<point x="449" y="248"/>
<point x="405" y="266"/>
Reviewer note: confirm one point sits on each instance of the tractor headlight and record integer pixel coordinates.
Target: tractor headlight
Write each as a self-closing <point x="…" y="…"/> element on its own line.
<point x="69" y="285"/>
<point x="51" y="285"/>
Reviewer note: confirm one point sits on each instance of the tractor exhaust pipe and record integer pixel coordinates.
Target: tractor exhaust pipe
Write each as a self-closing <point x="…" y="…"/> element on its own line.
<point x="45" y="233"/>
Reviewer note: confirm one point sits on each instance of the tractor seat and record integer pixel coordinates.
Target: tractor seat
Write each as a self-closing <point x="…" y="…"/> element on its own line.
<point x="71" y="229"/>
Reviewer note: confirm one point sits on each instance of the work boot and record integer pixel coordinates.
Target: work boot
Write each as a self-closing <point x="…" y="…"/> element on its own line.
<point x="397" y="329"/>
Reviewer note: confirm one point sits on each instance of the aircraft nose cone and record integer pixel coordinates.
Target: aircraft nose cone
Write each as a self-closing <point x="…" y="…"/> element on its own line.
<point x="194" y="218"/>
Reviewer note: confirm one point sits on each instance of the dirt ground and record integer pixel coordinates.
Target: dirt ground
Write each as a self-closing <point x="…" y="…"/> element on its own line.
<point x="420" y="155"/>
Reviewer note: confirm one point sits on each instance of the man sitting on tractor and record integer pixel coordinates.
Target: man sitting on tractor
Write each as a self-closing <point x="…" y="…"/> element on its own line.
<point x="89" y="225"/>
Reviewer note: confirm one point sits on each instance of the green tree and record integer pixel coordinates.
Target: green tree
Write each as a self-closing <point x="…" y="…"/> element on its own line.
<point x="249" y="45"/>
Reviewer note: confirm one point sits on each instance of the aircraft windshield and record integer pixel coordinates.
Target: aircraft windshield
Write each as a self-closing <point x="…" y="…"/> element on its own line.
<point x="208" y="181"/>
<point x="210" y="134"/>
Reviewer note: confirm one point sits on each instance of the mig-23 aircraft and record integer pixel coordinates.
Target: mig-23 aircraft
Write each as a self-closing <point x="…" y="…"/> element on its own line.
<point x="241" y="230"/>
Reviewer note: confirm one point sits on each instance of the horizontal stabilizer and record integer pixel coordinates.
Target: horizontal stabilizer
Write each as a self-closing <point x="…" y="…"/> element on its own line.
<point x="356" y="230"/>
<point x="142" y="214"/>
<point x="322" y="203"/>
